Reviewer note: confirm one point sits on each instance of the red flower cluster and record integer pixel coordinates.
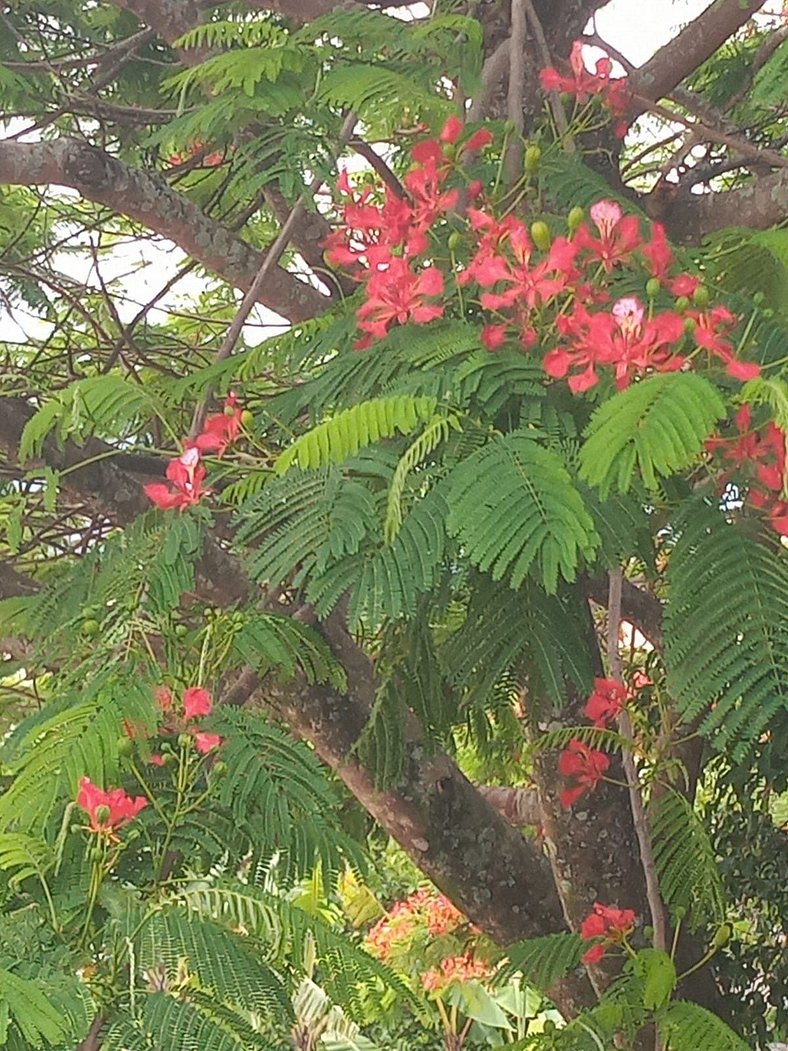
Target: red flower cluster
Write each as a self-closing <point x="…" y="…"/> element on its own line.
<point x="614" y="93"/>
<point x="195" y="703"/>
<point x="186" y="473"/>
<point x="210" y="160"/>
<point x="604" y="922"/>
<point x="606" y="701"/>
<point x="585" y="766"/>
<point x="108" y="811"/>
<point x="462" y="968"/>
<point x="526" y="279"/>
<point x="763" y="452"/>
<point x="424" y="909"/>
<point x="382" y="241"/>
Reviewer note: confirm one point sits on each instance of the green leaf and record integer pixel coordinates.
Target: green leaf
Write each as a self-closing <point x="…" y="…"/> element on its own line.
<point x="690" y="1027"/>
<point x="657" y="426"/>
<point x="658" y="972"/>
<point x="341" y="437"/>
<point x="475" y="1002"/>
<point x="37" y="1019"/>
<point x="514" y="506"/>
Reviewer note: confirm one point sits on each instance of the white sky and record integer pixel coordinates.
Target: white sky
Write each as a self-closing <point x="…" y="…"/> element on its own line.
<point x="637" y="28"/>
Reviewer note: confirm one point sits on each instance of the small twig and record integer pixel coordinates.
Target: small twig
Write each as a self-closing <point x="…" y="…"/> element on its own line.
<point x="639" y="818"/>
<point x="272" y="257"/>
<point x="554" y="98"/>
<point x="375" y="161"/>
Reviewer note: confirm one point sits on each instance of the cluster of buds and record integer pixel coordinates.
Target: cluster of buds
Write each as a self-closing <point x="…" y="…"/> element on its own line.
<point x="186" y="473"/>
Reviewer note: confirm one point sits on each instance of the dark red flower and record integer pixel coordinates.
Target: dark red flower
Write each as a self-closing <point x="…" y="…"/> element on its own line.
<point x="109" y="810"/>
<point x="220" y="429"/>
<point x="605" y="922"/>
<point x="585" y="766"/>
<point x="606" y="701"/>
<point x="186" y="475"/>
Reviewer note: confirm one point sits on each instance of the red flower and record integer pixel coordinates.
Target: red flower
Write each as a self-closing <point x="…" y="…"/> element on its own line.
<point x="585" y="766"/>
<point x="493" y="336"/>
<point x="205" y="743"/>
<point x="605" y="922"/>
<point x="186" y="475"/>
<point x="220" y="429"/>
<point x="711" y="328"/>
<point x="196" y="702"/>
<point x="107" y="810"/>
<point x="163" y="695"/>
<point x="583" y="85"/>
<point x="619" y="235"/>
<point x="606" y="701"/>
<point x="397" y="294"/>
<point x="658" y="253"/>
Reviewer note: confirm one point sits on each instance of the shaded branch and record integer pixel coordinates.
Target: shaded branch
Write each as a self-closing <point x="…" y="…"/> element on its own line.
<point x="147" y="199"/>
<point x="761" y="203"/>
<point x="690" y="48"/>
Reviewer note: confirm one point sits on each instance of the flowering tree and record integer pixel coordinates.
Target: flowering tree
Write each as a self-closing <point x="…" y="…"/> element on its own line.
<point x="508" y="498"/>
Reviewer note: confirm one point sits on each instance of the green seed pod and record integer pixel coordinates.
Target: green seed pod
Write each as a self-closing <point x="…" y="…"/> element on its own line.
<point x="700" y="297"/>
<point x="653" y="285"/>
<point x="532" y="157"/>
<point x="90" y="627"/>
<point x="682" y="303"/>
<point x="247" y="420"/>
<point x="723" y="936"/>
<point x="124" y="746"/>
<point x="455" y="240"/>
<point x="575" y="218"/>
<point x="540" y="232"/>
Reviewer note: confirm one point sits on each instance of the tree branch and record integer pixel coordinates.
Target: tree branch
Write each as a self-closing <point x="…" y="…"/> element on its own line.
<point x="693" y="45"/>
<point x="147" y="199"/>
<point x="759" y="204"/>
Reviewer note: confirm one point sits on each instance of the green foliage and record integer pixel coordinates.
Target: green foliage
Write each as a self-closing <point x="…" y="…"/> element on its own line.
<point x="690" y="1027"/>
<point x="726" y="629"/>
<point x="543" y="961"/>
<point x="514" y="506"/>
<point x="689" y="880"/>
<point x="38" y="1021"/>
<point x="341" y="437"/>
<point x="658" y="425"/>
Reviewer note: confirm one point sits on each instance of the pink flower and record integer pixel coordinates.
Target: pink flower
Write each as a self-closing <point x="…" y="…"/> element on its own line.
<point x="493" y="336"/>
<point x="109" y="810"/>
<point x="585" y="766"/>
<point x="711" y="328"/>
<point x="196" y="702"/>
<point x="619" y="235"/>
<point x="205" y="742"/>
<point x="582" y="84"/>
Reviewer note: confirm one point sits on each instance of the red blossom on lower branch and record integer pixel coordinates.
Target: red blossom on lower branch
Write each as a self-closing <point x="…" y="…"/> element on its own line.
<point x="108" y="810"/>
<point x="585" y="766"/>
<point x="605" y="922"/>
<point x="606" y="702"/>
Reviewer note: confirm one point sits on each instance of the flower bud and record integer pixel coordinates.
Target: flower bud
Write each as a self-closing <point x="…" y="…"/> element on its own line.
<point x="532" y="157"/>
<point x="124" y="746"/>
<point x="96" y="854"/>
<point x="648" y="932"/>
<point x="758" y="298"/>
<point x="575" y="218"/>
<point x="103" y="814"/>
<point x="700" y="297"/>
<point x="540" y="232"/>
<point x="247" y="420"/>
<point x="723" y="936"/>
<point x="219" y="770"/>
<point x="90" y="627"/>
<point x="689" y="325"/>
<point x="180" y="630"/>
<point x="455" y="240"/>
<point x="184" y="740"/>
<point x="548" y="1026"/>
<point x="682" y="303"/>
<point x="653" y="285"/>
<point x="229" y="411"/>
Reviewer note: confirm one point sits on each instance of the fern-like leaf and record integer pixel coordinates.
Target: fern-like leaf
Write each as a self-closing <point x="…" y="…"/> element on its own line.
<point x="690" y="1027"/>
<point x="341" y="437"/>
<point x="513" y="505"/>
<point x="543" y="960"/>
<point x="658" y="426"/>
<point x="37" y="1019"/>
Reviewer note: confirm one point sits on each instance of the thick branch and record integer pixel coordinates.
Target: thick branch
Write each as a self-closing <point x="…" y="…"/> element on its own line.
<point x="691" y="47"/>
<point x="148" y="200"/>
<point x="759" y="204"/>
